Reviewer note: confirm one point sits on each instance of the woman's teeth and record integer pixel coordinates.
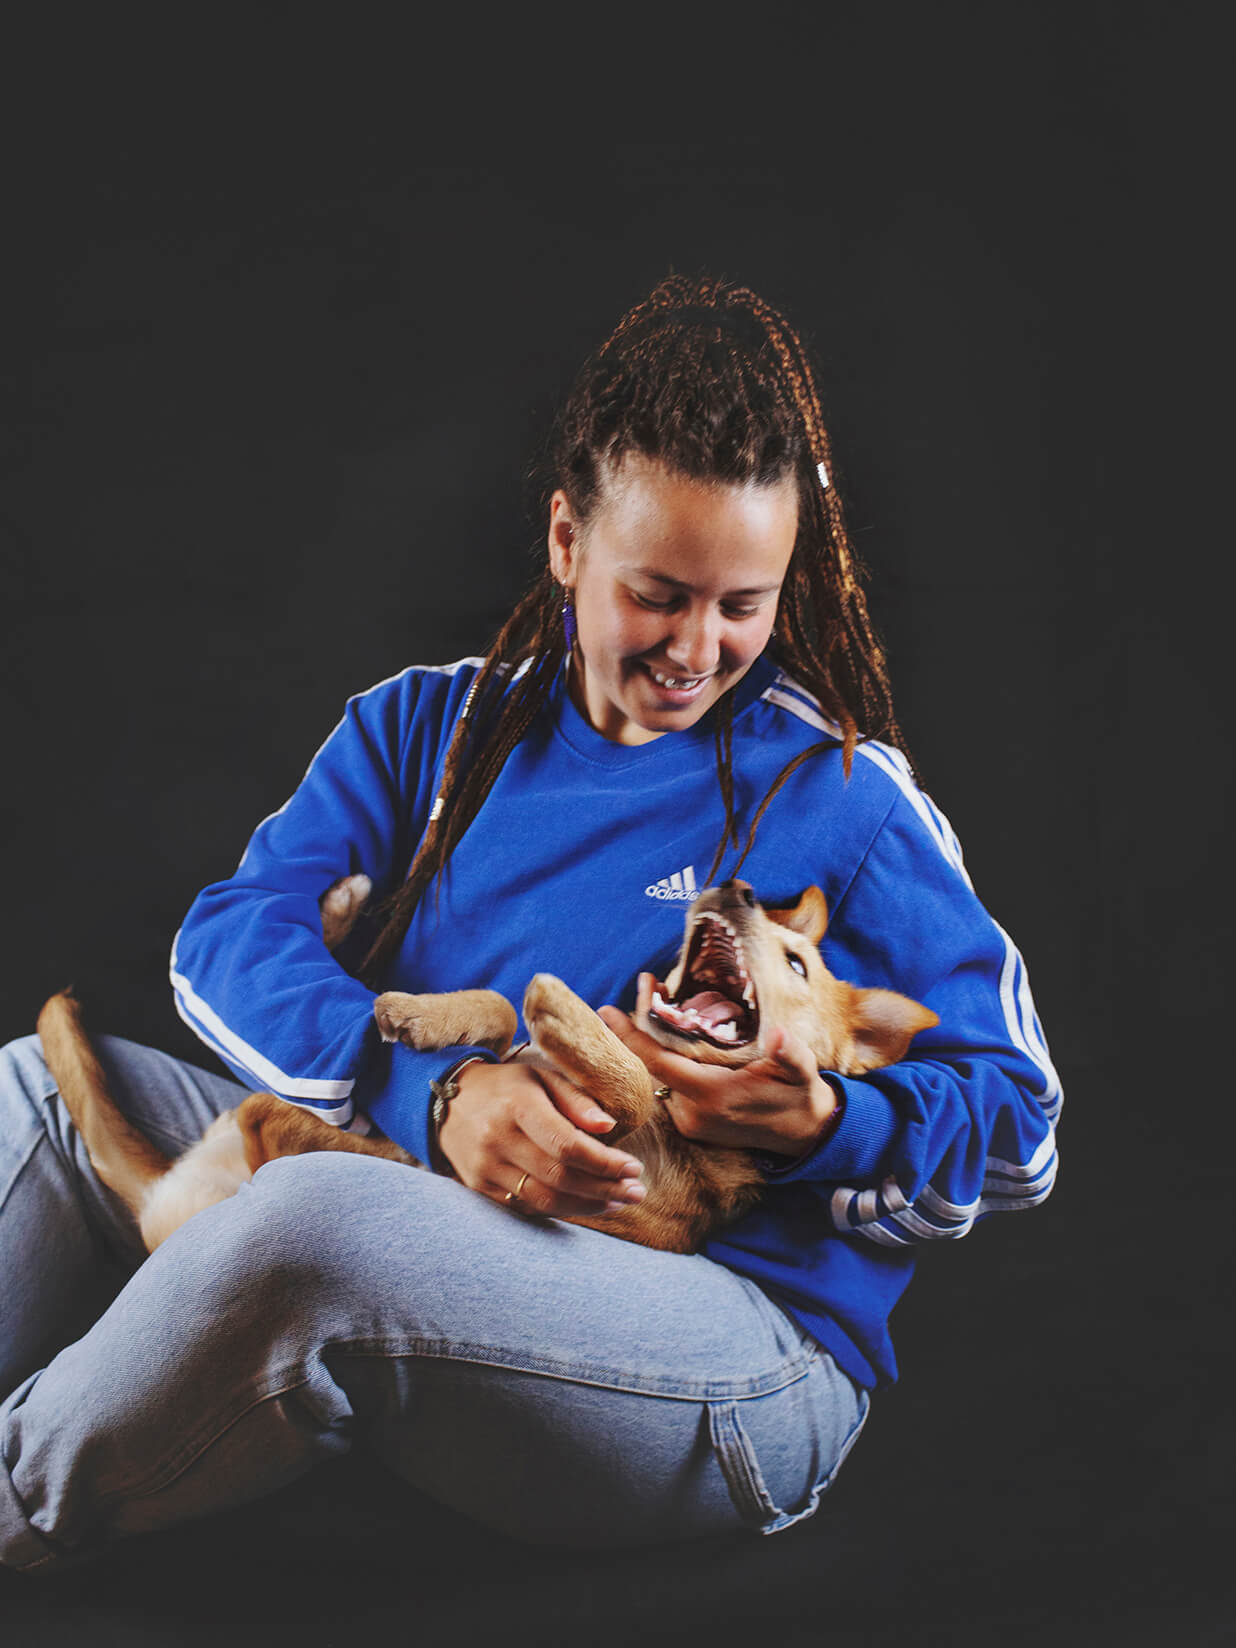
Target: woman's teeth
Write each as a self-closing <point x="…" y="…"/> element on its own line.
<point x="678" y="683"/>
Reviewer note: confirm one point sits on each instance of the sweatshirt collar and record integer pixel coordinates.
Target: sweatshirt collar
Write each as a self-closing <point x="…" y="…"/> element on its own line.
<point x="583" y="737"/>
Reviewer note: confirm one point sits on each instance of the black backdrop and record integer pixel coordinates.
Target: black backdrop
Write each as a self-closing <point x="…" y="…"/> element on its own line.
<point x="288" y="375"/>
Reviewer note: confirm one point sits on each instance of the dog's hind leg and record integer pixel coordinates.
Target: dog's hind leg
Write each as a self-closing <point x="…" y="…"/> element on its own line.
<point x="477" y="1018"/>
<point x="272" y="1127"/>
<point x="567" y="1032"/>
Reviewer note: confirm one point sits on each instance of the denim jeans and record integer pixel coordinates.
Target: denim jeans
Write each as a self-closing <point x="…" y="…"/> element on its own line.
<point x="550" y="1381"/>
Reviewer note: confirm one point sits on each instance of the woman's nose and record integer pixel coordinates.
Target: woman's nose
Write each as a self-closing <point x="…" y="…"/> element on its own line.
<point x="696" y="645"/>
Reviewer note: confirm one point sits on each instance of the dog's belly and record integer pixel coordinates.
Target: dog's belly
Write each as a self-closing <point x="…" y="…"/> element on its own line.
<point x="210" y="1171"/>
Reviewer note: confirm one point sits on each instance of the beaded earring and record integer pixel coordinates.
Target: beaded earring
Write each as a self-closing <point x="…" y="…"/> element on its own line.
<point x="568" y="620"/>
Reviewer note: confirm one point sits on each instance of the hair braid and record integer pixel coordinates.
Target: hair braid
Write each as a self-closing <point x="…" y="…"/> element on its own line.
<point x="507" y="698"/>
<point x="723" y="728"/>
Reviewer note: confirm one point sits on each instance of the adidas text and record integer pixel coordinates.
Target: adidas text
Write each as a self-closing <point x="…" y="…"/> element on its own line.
<point x="680" y="886"/>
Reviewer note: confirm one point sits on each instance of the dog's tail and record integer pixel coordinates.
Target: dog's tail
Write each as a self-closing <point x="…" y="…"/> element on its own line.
<point x="124" y="1159"/>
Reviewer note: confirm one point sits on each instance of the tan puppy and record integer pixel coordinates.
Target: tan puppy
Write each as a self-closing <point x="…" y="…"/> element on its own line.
<point x="741" y="969"/>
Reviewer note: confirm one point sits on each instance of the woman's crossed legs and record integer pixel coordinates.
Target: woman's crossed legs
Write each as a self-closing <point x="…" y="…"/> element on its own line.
<point x="545" y="1379"/>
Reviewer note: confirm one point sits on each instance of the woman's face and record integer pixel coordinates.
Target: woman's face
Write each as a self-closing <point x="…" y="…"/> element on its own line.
<point x="675" y="584"/>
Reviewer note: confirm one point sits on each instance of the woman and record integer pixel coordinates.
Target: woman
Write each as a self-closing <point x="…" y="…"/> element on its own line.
<point x="691" y="685"/>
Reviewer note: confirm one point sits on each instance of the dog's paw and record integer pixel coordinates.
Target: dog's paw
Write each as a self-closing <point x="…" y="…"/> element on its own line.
<point x="340" y="905"/>
<point x="553" y="1007"/>
<point x="458" y="1018"/>
<point x="580" y="1046"/>
<point x="400" y="1017"/>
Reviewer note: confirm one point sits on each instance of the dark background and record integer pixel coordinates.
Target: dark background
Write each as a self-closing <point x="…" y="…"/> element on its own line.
<point x="283" y="362"/>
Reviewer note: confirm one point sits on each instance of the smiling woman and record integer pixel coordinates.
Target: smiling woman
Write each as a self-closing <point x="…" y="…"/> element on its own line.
<point x="674" y="583"/>
<point x="692" y="675"/>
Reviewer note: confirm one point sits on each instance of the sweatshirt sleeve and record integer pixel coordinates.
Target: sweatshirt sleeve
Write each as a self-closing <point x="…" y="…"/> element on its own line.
<point x="249" y="969"/>
<point x="964" y="1125"/>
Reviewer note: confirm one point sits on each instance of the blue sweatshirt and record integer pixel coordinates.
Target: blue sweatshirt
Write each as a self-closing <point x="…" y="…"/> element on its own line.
<point x="582" y="862"/>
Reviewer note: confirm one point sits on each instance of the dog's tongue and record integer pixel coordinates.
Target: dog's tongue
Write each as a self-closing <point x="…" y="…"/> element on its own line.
<point x="712" y="1008"/>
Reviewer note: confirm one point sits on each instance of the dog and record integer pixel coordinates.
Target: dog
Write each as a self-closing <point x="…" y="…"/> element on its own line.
<point x="741" y="968"/>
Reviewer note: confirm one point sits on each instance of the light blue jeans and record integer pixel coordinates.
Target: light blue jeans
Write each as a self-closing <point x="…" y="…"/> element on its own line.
<point x="550" y="1381"/>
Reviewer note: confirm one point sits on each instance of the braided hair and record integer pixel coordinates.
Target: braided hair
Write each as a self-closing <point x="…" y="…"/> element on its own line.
<point x="710" y="380"/>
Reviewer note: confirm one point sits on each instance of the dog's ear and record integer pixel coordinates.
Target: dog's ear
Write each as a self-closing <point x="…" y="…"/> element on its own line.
<point x="808" y="917"/>
<point x="882" y="1025"/>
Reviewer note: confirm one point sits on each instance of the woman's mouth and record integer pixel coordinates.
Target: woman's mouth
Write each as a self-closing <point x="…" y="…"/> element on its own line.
<point x="681" y="688"/>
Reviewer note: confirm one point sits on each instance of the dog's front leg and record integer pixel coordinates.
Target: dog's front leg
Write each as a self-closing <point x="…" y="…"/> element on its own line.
<point x="470" y="1018"/>
<point x="567" y="1033"/>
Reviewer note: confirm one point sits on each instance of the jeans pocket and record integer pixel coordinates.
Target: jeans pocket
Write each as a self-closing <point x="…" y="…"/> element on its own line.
<point x="737" y="1456"/>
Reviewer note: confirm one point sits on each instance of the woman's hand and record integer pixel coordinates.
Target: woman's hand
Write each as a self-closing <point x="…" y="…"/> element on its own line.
<point x="779" y="1102"/>
<point x="516" y="1127"/>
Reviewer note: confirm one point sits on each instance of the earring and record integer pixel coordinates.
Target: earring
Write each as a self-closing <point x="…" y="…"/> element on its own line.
<point x="568" y="620"/>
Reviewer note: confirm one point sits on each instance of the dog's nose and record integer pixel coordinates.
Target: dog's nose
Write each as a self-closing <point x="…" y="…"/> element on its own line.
<point x="743" y="889"/>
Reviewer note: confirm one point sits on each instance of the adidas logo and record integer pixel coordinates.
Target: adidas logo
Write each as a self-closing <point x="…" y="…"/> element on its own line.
<point x="680" y="886"/>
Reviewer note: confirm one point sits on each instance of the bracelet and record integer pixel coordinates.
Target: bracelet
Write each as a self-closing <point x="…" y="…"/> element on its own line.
<point x="444" y="1090"/>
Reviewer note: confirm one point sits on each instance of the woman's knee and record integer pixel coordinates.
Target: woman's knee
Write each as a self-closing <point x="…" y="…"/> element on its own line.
<point x="335" y="1247"/>
<point x="308" y="1226"/>
<point x="333" y="1193"/>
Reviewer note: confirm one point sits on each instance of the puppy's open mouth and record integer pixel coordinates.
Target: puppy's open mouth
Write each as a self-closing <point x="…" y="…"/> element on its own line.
<point x="715" y="1000"/>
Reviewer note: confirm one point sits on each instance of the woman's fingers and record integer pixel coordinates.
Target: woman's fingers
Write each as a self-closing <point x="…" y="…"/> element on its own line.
<point x="669" y="1068"/>
<point x="567" y="1164"/>
<point x="553" y="1187"/>
<point x="547" y="1190"/>
<point x="778" y="1102"/>
<point x="510" y="1130"/>
<point x="577" y="1107"/>
<point x="786" y="1058"/>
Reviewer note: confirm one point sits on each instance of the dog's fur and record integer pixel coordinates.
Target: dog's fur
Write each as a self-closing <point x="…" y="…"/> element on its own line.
<point x="740" y="968"/>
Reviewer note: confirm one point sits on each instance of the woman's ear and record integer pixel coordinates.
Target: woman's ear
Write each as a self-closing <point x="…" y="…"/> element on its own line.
<point x="563" y="540"/>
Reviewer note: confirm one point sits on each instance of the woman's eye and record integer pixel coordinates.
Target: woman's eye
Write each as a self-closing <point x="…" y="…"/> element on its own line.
<point x="651" y="605"/>
<point x="797" y="963"/>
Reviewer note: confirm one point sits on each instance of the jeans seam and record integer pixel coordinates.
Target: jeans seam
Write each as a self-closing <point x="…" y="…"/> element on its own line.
<point x="205" y="1437"/>
<point x="739" y="1466"/>
<point x="703" y="1390"/>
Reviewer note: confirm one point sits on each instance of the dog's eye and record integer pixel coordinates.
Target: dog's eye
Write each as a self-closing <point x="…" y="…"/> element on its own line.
<point x="796" y="962"/>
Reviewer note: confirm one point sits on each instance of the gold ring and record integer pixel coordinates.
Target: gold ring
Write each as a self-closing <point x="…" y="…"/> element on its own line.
<point x="662" y="1093"/>
<point x="513" y="1195"/>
